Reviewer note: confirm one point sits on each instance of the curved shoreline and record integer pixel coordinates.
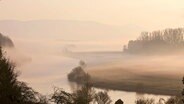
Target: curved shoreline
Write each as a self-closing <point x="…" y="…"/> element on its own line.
<point x="146" y="83"/>
<point x="131" y="88"/>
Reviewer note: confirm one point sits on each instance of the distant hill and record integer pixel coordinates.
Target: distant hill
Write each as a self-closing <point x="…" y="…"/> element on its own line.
<point x="6" y="41"/>
<point x="72" y="30"/>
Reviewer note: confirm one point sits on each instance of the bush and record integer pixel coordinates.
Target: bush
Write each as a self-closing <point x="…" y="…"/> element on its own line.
<point x="145" y="101"/>
<point x="78" y="75"/>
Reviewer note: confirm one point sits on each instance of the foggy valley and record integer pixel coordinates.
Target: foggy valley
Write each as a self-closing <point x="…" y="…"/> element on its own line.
<point x="91" y="52"/>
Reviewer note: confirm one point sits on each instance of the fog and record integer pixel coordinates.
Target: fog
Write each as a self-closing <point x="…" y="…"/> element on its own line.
<point x="43" y="64"/>
<point x="45" y="60"/>
<point x="169" y="64"/>
<point x="119" y="41"/>
<point x="47" y="65"/>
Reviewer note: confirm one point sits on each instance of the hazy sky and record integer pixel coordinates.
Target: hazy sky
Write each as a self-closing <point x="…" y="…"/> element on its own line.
<point x="153" y="14"/>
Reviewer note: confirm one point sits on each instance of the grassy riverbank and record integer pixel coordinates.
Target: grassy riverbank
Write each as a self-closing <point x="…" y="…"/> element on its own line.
<point x="137" y="78"/>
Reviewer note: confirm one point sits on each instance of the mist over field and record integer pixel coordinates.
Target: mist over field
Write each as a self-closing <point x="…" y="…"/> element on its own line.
<point x="45" y="57"/>
<point x="91" y="51"/>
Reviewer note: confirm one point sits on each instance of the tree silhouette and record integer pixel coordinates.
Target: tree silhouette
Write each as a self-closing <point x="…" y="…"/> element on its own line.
<point x="103" y="98"/>
<point x="168" y="40"/>
<point x="13" y="91"/>
<point x="61" y="97"/>
<point x="82" y="95"/>
<point x="145" y="101"/>
<point x="183" y="91"/>
<point x="119" y="101"/>
<point x="5" y="41"/>
<point x="86" y="93"/>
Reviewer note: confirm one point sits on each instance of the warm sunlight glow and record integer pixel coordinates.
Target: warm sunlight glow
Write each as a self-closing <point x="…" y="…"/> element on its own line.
<point x="150" y="14"/>
<point x="91" y="51"/>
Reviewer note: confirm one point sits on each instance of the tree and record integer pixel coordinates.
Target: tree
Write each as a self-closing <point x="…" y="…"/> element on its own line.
<point x="183" y="91"/>
<point x="119" y="101"/>
<point x="77" y="75"/>
<point x="174" y="100"/>
<point x="174" y="36"/>
<point x="13" y="91"/>
<point x="82" y="64"/>
<point x="85" y="94"/>
<point x="168" y="40"/>
<point x="61" y="97"/>
<point x="145" y="101"/>
<point x="6" y="41"/>
<point x="144" y="36"/>
<point x="103" y="98"/>
<point x="82" y="95"/>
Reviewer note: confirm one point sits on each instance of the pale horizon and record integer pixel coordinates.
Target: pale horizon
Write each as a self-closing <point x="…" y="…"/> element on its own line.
<point x="152" y="14"/>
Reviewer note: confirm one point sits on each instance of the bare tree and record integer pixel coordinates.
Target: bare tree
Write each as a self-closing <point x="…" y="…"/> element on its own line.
<point x="103" y="98"/>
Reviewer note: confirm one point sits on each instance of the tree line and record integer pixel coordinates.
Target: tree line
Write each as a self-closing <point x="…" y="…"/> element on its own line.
<point x="160" y="41"/>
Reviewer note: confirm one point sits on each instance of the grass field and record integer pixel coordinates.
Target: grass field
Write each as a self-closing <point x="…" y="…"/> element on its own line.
<point x="161" y="76"/>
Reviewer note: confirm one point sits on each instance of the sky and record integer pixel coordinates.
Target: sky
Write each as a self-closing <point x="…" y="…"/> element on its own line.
<point x="153" y="14"/>
<point x="133" y="15"/>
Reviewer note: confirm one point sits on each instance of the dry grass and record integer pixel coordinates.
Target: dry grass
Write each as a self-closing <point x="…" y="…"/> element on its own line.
<point x="151" y="77"/>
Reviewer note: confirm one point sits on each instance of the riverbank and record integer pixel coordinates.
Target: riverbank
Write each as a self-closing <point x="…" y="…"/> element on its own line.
<point x="134" y="87"/>
<point x="137" y="79"/>
<point x="157" y="74"/>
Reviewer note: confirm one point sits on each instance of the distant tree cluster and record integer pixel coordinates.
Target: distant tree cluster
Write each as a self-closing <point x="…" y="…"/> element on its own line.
<point x="6" y="41"/>
<point x="168" y="40"/>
